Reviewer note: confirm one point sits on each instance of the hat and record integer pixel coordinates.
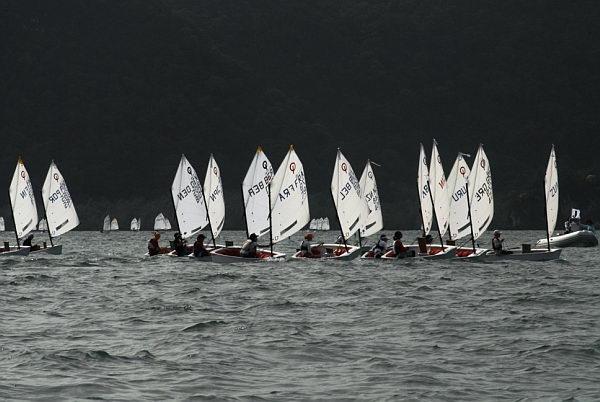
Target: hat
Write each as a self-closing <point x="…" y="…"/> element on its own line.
<point x="309" y="236"/>
<point x="397" y="235"/>
<point x="201" y="235"/>
<point x="497" y="233"/>
<point x="383" y="237"/>
<point x="253" y="236"/>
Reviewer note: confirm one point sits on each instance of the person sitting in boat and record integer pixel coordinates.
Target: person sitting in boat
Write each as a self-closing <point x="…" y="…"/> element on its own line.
<point x="380" y="247"/>
<point x="179" y="245"/>
<point x="497" y="241"/>
<point x="305" y="246"/>
<point x="199" y="249"/>
<point x="249" y="247"/>
<point x="153" y="246"/>
<point x="28" y="241"/>
<point x="428" y="239"/>
<point x="399" y="250"/>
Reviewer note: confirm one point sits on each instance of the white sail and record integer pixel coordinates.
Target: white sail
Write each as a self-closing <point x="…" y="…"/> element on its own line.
<point x="134" y="225"/>
<point x="460" y="225"/>
<point x="255" y="189"/>
<point x="423" y="187"/>
<point x="481" y="193"/>
<point x="22" y="201"/>
<point x="42" y="225"/>
<point x="289" y="198"/>
<point x="325" y="224"/>
<point x="60" y="210"/>
<point x="347" y="197"/>
<point x="215" y="200"/>
<point x="167" y="224"/>
<point x="551" y="185"/>
<point x="139" y="223"/>
<point x="2" y="226"/>
<point x="159" y="222"/>
<point x="188" y="200"/>
<point x="374" y="219"/>
<point x="313" y="224"/>
<point x="106" y="223"/>
<point x="439" y="190"/>
<point x="114" y="224"/>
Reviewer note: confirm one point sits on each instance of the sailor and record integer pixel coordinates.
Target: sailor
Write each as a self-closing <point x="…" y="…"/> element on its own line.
<point x="153" y="246"/>
<point x="497" y="244"/>
<point x="248" y="249"/>
<point x="199" y="249"/>
<point x="179" y="244"/>
<point x="28" y="241"/>
<point x="305" y="246"/>
<point x="399" y="250"/>
<point x="380" y="247"/>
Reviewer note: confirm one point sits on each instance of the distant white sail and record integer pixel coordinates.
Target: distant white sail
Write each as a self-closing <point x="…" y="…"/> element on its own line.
<point x="325" y="224"/>
<point x="347" y="197"/>
<point x="289" y="198"/>
<point x="190" y="209"/>
<point x="551" y="185"/>
<point x="139" y="223"/>
<point x="459" y="208"/>
<point x="134" y="225"/>
<point x="106" y="224"/>
<point x="215" y="199"/>
<point x="313" y="224"/>
<point x="255" y="189"/>
<point x="374" y="219"/>
<point x="60" y="209"/>
<point x="42" y="226"/>
<point x="159" y="222"/>
<point x="114" y="224"/>
<point x="481" y="193"/>
<point x="423" y="187"/>
<point x="2" y="227"/>
<point x="439" y="190"/>
<point x="167" y="224"/>
<point x="22" y="201"/>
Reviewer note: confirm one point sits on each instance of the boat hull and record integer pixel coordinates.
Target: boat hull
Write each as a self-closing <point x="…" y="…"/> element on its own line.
<point x="52" y="250"/>
<point x="228" y="255"/>
<point x="580" y="238"/>
<point x="535" y="254"/>
<point x="14" y="252"/>
<point x="333" y="251"/>
<point x="434" y="252"/>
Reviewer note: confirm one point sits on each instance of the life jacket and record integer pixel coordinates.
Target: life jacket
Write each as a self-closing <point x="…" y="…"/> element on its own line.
<point x="496" y="244"/>
<point x="305" y="245"/>
<point x="153" y="247"/>
<point x="399" y="247"/>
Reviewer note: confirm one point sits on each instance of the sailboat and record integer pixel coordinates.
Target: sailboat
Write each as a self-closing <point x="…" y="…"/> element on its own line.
<point x="134" y="226"/>
<point x="42" y="225"/>
<point x="526" y="253"/>
<point x="167" y="224"/>
<point x="2" y="227"/>
<point x="350" y="208"/>
<point x="106" y="224"/>
<point x="159" y="222"/>
<point x="114" y="224"/>
<point x="22" y="202"/>
<point x="256" y="196"/>
<point x="189" y="204"/>
<point x="373" y="221"/>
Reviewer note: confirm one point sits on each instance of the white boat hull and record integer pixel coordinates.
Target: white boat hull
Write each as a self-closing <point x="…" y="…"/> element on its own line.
<point x="52" y="250"/>
<point x="14" y="252"/>
<point x="536" y="254"/>
<point x="580" y="238"/>
<point x="333" y="251"/>
<point x="228" y="255"/>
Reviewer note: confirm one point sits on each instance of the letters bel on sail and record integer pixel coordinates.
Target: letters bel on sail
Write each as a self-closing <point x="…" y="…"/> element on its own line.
<point x="22" y="201"/>
<point x="190" y="210"/>
<point x="347" y="198"/>
<point x="60" y="210"/>
<point x="289" y="198"/>
<point x="255" y="189"/>
<point x="551" y="184"/>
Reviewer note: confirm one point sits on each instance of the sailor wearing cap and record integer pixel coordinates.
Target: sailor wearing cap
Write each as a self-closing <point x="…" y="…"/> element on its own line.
<point x="380" y="247"/>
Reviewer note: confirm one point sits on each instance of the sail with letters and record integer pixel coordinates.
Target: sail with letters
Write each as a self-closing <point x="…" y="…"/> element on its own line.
<point x="551" y="187"/>
<point x="439" y="190"/>
<point x="60" y="210"/>
<point x="481" y="193"/>
<point x="289" y="198"/>
<point x="347" y="197"/>
<point x="255" y="191"/>
<point x="22" y="201"/>
<point x="458" y="179"/>
<point x="373" y="222"/>
<point x="423" y="188"/>
<point x="188" y="200"/>
<point x="214" y="197"/>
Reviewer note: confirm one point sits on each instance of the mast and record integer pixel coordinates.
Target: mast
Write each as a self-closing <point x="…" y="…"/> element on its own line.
<point x="270" y="217"/>
<point x="212" y="234"/>
<point x="46" y="218"/>
<point x="243" y="209"/>
<point x="14" y="220"/>
<point x="546" y="214"/>
<point x="339" y="222"/>
<point x="437" y="222"/>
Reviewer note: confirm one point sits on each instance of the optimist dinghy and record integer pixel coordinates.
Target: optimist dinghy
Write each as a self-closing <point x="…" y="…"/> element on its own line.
<point x="351" y="209"/>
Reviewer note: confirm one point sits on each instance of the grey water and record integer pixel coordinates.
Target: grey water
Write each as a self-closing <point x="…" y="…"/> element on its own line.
<point x="104" y="322"/>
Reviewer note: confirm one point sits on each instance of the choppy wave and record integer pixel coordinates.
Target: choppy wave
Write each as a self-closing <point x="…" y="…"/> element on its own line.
<point x="104" y="322"/>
